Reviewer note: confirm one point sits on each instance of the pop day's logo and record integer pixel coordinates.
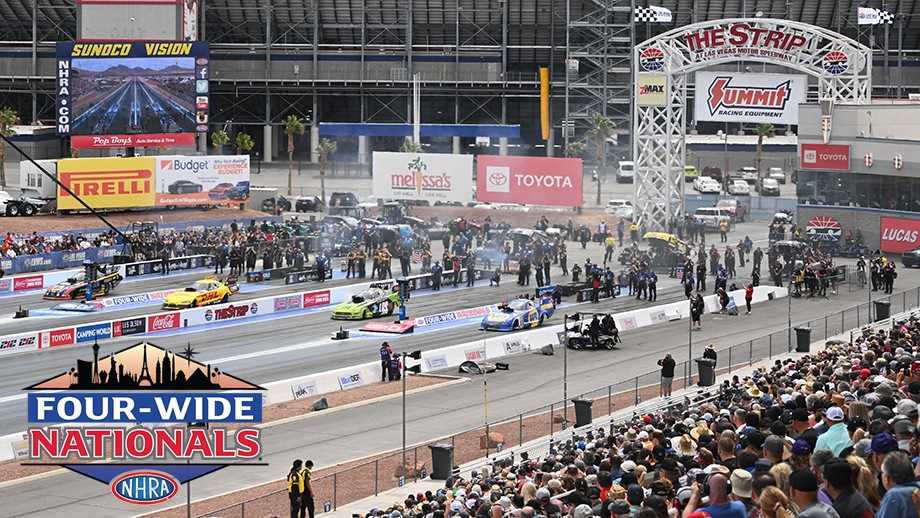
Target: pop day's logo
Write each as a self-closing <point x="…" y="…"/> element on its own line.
<point x="652" y="59"/>
<point x="835" y="62"/>
<point x="92" y="413"/>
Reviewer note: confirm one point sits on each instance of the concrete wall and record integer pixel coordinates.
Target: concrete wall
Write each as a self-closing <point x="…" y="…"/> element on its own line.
<point x="852" y="218"/>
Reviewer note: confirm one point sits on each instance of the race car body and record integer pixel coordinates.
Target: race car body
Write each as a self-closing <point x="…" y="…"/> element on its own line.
<point x="209" y="290"/>
<point x="107" y="278"/>
<point x="376" y="300"/>
<point x="518" y="314"/>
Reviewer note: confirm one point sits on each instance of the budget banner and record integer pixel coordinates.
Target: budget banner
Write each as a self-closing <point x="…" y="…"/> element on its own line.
<point x="423" y="176"/>
<point x="529" y="180"/>
<point x="106" y="183"/>
<point x="199" y="180"/>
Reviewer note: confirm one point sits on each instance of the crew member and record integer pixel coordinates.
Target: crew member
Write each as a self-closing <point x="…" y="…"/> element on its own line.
<point x="436" y="272"/>
<point x="306" y="498"/>
<point x="350" y="258"/>
<point x="395" y="367"/>
<point x="295" y="487"/>
<point x="386" y="355"/>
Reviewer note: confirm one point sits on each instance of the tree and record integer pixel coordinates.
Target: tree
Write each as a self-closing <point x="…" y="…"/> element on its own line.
<point x="763" y="130"/>
<point x="574" y="149"/>
<point x="243" y="143"/>
<point x="410" y="146"/>
<point x="601" y="129"/>
<point x="219" y="139"/>
<point x="293" y="125"/>
<point x="8" y="117"/>
<point x="326" y="148"/>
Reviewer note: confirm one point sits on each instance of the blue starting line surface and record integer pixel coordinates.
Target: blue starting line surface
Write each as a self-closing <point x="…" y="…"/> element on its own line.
<point x="58" y="313"/>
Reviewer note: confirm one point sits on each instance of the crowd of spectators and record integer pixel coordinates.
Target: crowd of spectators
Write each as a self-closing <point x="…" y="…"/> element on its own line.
<point x="832" y="434"/>
<point x="15" y="245"/>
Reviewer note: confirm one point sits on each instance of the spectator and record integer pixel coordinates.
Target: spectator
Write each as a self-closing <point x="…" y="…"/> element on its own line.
<point x="838" y="476"/>
<point x="900" y="487"/>
<point x="803" y="491"/>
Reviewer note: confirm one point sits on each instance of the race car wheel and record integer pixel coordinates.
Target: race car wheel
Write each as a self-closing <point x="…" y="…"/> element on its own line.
<point x="225" y="299"/>
<point x="541" y="320"/>
<point x="194" y="304"/>
<point x="516" y="325"/>
<point x="368" y="313"/>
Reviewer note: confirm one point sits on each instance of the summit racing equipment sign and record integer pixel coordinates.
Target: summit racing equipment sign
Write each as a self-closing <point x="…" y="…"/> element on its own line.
<point x="70" y="413"/>
<point x="530" y="180"/>
<point x="730" y="97"/>
<point x="427" y="176"/>
<point x="131" y="94"/>
<point x="106" y="183"/>
<point x="899" y="235"/>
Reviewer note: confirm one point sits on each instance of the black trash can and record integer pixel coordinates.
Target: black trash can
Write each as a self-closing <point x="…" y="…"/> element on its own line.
<point x="707" y="370"/>
<point x="442" y="461"/>
<point x="582" y="411"/>
<point x="802" y="339"/>
<point x="882" y="309"/>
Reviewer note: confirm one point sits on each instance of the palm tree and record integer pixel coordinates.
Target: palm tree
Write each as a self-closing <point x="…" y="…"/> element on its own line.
<point x="219" y="140"/>
<point x="8" y="117"/>
<point x="601" y="129"/>
<point x="293" y="125"/>
<point x="763" y="130"/>
<point x="574" y="149"/>
<point x="410" y="146"/>
<point x="326" y="148"/>
<point x="243" y="143"/>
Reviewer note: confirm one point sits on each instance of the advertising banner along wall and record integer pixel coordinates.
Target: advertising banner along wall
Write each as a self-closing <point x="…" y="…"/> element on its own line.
<point x="835" y="157"/>
<point x="899" y="235"/>
<point x="731" y="97"/>
<point x="112" y="183"/>
<point x="130" y="94"/>
<point x="530" y="180"/>
<point x="423" y="176"/>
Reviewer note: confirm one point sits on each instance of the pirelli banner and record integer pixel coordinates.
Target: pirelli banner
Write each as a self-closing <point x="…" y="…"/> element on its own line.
<point x="118" y="183"/>
<point x="742" y="97"/>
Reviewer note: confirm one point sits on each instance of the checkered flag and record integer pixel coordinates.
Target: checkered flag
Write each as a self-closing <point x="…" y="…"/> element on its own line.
<point x="885" y="17"/>
<point x="652" y="14"/>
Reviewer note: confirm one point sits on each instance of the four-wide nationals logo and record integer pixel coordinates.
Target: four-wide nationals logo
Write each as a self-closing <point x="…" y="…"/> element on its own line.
<point x="89" y="420"/>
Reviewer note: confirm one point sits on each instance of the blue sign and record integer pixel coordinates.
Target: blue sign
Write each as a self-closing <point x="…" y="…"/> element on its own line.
<point x="94" y="332"/>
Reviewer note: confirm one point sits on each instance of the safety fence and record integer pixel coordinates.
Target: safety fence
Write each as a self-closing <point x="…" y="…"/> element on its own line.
<point x="384" y="473"/>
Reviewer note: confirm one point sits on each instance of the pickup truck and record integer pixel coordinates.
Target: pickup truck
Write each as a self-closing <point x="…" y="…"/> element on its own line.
<point x="713" y="216"/>
<point x="736" y="209"/>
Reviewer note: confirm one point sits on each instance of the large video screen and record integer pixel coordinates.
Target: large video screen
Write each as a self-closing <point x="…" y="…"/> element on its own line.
<point x="132" y="94"/>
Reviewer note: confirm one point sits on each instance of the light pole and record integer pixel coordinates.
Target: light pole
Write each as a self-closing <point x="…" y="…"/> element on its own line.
<point x="689" y="379"/>
<point x="415" y="369"/>
<point x="565" y="364"/>
<point x="724" y="136"/>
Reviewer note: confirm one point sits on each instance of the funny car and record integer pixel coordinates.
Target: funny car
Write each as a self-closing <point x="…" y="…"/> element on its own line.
<point x="209" y="290"/>
<point x="107" y="278"/>
<point x="518" y="314"/>
<point x="378" y="299"/>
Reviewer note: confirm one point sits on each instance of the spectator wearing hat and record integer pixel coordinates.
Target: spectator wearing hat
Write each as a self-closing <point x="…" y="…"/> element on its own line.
<point x="719" y="504"/>
<point x="803" y="491"/>
<point x="838" y="482"/>
<point x="619" y="508"/>
<point x="741" y="488"/>
<point x="774" y="449"/>
<point x="801" y="454"/>
<point x="836" y="438"/>
<point x="900" y="484"/>
<point x="635" y="495"/>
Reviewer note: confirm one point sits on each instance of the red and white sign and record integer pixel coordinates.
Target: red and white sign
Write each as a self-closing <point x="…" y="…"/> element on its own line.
<point x="384" y="327"/>
<point x="530" y="180"/>
<point x="834" y="157"/>
<point x="29" y="282"/>
<point x="823" y="228"/>
<point x="315" y="298"/>
<point x="162" y="322"/>
<point x="58" y="337"/>
<point x="140" y="140"/>
<point x="728" y="97"/>
<point x="899" y="235"/>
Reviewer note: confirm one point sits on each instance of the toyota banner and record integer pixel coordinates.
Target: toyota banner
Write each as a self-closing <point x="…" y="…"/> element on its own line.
<point x="529" y="180"/>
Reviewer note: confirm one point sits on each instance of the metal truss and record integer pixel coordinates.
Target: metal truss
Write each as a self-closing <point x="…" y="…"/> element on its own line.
<point x="842" y="67"/>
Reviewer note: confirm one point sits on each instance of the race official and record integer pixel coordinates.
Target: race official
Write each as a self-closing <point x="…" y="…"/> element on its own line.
<point x="385" y="355"/>
<point x="352" y="267"/>
<point x="296" y="487"/>
<point x="306" y="497"/>
<point x="436" y="272"/>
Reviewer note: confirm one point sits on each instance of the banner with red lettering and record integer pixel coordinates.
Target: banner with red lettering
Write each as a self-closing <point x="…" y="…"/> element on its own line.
<point x="899" y="235"/>
<point x="833" y="157"/>
<point x="731" y="97"/>
<point x="529" y="180"/>
<point x="423" y="176"/>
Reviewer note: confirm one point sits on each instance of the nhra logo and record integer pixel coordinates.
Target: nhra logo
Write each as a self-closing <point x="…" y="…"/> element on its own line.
<point x="723" y="95"/>
<point x="835" y="63"/>
<point x="145" y="487"/>
<point x="652" y="59"/>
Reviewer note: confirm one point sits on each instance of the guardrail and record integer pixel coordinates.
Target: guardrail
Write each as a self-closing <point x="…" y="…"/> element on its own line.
<point x="549" y="419"/>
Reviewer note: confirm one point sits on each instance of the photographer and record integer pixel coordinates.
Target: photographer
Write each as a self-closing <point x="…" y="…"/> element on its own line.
<point x="667" y="365"/>
<point x="719" y="504"/>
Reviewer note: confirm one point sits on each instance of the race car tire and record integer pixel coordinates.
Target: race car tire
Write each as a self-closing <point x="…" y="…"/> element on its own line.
<point x="194" y="304"/>
<point x="541" y="320"/>
<point x="368" y="313"/>
<point x="515" y="326"/>
<point x="225" y="299"/>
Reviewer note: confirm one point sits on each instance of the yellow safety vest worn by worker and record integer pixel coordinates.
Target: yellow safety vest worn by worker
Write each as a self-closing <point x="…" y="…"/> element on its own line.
<point x="295" y="482"/>
<point x="723" y="225"/>
<point x="306" y="477"/>
<point x="610" y="241"/>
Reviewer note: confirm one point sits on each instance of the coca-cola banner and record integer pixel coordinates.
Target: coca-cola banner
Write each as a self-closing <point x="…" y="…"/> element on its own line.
<point x="529" y="180"/>
<point x="899" y="235"/>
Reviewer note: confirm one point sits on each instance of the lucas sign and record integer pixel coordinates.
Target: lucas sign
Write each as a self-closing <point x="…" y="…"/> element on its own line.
<point x="899" y="235"/>
<point x="530" y="180"/>
<point x="730" y="97"/>
<point x="423" y="176"/>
